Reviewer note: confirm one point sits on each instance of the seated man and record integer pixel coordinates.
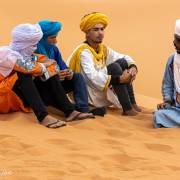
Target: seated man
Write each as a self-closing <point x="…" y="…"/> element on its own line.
<point x="28" y="80"/>
<point x="108" y="74"/>
<point x="168" y="112"/>
<point x="71" y="81"/>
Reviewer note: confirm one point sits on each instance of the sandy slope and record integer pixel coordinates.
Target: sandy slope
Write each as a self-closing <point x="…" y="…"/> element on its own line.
<point x="109" y="148"/>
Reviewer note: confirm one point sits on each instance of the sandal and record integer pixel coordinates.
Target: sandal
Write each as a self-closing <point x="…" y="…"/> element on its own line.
<point x="55" y="124"/>
<point x="78" y="116"/>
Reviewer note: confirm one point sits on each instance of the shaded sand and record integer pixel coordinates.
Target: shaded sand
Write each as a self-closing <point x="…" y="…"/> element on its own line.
<point x="110" y="148"/>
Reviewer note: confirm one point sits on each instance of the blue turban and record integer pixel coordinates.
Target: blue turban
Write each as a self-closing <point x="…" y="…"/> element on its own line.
<point x="49" y="28"/>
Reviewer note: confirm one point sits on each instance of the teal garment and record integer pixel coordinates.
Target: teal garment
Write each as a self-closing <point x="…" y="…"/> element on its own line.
<point x="77" y="83"/>
<point x="49" y="28"/>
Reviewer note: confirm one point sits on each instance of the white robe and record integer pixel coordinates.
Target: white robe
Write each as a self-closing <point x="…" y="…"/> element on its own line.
<point x="96" y="78"/>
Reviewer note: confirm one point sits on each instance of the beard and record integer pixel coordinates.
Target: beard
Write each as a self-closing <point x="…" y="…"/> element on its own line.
<point x="98" y="40"/>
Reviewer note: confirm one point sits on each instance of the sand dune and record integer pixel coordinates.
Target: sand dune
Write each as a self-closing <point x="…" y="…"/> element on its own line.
<point x="109" y="148"/>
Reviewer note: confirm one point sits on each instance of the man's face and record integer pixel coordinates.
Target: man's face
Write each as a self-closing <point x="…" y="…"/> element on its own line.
<point x="177" y="43"/>
<point x="52" y="39"/>
<point x="96" y="33"/>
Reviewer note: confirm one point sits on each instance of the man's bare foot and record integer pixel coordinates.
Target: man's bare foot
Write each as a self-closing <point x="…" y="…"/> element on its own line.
<point x="136" y="108"/>
<point x="52" y="122"/>
<point x="76" y="115"/>
<point x="130" y="113"/>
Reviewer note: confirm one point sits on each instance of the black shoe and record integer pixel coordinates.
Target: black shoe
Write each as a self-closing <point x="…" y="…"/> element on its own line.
<point x="98" y="111"/>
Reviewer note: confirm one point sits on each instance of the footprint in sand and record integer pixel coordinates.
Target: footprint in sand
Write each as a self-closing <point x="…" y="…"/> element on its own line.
<point x="37" y="151"/>
<point x="113" y="144"/>
<point x="114" y="166"/>
<point x="3" y="136"/>
<point x="109" y="141"/>
<point x="75" y="167"/>
<point x="84" y="157"/>
<point x="12" y="142"/>
<point x="55" y="173"/>
<point x="160" y="147"/>
<point x="24" y="178"/>
<point x="117" y="133"/>
<point x="39" y="163"/>
<point x="65" y="143"/>
<point x="59" y="141"/>
<point x="12" y="146"/>
<point x="174" y="168"/>
<point x="123" y="158"/>
<point x="98" y="177"/>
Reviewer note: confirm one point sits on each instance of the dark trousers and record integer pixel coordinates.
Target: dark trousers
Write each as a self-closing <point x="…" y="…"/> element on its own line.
<point x="38" y="94"/>
<point x="124" y="92"/>
<point x="77" y="85"/>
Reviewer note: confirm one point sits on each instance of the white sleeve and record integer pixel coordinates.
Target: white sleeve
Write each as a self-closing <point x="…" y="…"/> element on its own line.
<point x="113" y="56"/>
<point x="98" y="78"/>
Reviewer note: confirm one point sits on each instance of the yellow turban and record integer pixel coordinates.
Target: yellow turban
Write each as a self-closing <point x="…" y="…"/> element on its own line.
<point x="92" y="19"/>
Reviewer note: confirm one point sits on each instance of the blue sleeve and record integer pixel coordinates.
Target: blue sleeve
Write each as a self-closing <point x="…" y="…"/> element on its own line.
<point x="168" y="82"/>
<point x="59" y="59"/>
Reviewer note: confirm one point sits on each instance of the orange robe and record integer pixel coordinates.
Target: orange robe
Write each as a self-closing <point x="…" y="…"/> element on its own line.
<point x="9" y="101"/>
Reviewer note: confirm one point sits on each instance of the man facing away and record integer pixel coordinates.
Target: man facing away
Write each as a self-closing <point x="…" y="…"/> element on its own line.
<point x="108" y="74"/>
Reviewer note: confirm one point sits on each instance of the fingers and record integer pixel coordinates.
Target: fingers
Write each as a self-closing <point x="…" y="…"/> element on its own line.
<point x="62" y="75"/>
<point x="163" y="105"/>
<point x="65" y="74"/>
<point x="159" y="106"/>
<point x="133" y="71"/>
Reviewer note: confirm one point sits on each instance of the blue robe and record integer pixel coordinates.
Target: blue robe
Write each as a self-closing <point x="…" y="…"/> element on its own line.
<point x="76" y="84"/>
<point x="170" y="116"/>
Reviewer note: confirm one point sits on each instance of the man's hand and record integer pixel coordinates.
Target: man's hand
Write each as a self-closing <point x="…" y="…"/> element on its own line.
<point x="126" y="77"/>
<point x="178" y="97"/>
<point x="62" y="74"/>
<point x="69" y="74"/>
<point x="163" y="105"/>
<point x="133" y="71"/>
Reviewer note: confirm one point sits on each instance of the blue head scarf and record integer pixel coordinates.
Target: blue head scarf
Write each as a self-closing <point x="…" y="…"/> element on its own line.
<point x="49" y="28"/>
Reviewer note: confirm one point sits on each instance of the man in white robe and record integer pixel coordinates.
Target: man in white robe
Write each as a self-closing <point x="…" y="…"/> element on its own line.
<point x="108" y="74"/>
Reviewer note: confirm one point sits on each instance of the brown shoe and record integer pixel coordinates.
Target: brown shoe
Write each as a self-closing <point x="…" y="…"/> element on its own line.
<point x="136" y="108"/>
<point x="131" y="112"/>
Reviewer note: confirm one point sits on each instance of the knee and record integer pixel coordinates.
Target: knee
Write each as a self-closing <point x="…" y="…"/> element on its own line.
<point x="122" y="63"/>
<point x="114" y="69"/>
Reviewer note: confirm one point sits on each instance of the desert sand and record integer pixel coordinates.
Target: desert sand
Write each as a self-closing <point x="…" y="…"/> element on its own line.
<point x="113" y="147"/>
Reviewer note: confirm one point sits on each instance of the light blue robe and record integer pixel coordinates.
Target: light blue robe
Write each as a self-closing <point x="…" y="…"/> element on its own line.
<point x="170" y="116"/>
